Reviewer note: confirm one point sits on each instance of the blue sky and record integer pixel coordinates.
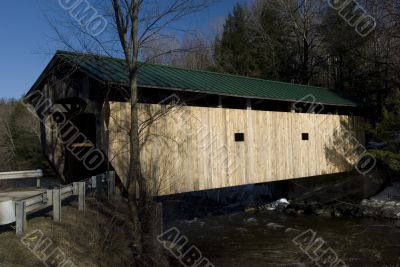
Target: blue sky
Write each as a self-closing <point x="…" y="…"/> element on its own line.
<point x="26" y="44"/>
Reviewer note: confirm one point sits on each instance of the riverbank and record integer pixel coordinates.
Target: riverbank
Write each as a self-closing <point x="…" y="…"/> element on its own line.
<point x="383" y="205"/>
<point x="386" y="204"/>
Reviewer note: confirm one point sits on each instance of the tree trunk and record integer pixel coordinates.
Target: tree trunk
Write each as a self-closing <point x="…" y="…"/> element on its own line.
<point x="134" y="167"/>
<point x="135" y="171"/>
<point x="306" y="59"/>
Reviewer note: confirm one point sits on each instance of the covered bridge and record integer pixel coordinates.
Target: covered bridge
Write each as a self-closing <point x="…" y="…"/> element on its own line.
<point x="199" y="130"/>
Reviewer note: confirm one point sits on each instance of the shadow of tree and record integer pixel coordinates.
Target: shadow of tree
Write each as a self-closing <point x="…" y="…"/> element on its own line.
<point x="345" y="145"/>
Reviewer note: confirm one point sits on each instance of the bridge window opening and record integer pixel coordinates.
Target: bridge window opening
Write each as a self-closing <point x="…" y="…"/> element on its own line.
<point x="239" y="137"/>
<point x="305" y="136"/>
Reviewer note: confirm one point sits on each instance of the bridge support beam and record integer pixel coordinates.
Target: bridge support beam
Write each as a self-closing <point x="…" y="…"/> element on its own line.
<point x="158" y="222"/>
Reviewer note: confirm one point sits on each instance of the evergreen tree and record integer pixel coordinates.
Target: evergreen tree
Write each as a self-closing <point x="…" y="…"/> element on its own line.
<point x="272" y="46"/>
<point x="388" y="130"/>
<point x="233" y="51"/>
<point x="345" y="54"/>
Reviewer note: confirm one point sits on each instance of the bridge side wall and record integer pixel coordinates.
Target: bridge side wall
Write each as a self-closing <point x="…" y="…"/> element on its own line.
<point x="185" y="149"/>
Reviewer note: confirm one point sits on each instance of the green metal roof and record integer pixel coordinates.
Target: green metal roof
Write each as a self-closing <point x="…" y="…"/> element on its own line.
<point x="112" y="70"/>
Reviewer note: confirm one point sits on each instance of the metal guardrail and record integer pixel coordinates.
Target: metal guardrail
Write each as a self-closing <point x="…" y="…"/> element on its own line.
<point x="21" y="175"/>
<point x="36" y="174"/>
<point x="55" y="197"/>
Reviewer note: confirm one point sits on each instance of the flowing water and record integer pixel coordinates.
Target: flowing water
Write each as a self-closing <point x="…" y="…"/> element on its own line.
<point x="266" y="239"/>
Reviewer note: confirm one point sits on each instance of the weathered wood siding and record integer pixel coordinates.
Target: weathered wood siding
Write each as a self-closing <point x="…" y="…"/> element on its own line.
<point x="193" y="148"/>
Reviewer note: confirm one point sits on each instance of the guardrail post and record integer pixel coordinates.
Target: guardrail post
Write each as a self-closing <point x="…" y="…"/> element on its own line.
<point x="57" y="205"/>
<point x="111" y="183"/>
<point x="38" y="183"/>
<point x="49" y="197"/>
<point x="81" y="195"/>
<point x="93" y="182"/>
<point x="75" y="188"/>
<point x="20" y="217"/>
<point x="99" y="187"/>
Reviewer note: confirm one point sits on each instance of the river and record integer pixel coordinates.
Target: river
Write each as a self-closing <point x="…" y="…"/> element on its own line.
<point x="266" y="239"/>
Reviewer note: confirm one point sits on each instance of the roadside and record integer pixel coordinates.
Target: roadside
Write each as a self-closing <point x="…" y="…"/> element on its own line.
<point x="96" y="237"/>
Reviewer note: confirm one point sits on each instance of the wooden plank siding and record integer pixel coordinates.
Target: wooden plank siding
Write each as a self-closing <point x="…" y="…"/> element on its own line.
<point x="193" y="148"/>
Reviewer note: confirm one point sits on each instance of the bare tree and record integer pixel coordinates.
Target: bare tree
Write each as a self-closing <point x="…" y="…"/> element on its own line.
<point x="7" y="150"/>
<point x="19" y="136"/>
<point x="198" y="53"/>
<point x="132" y="36"/>
<point x="304" y="17"/>
<point x="193" y="51"/>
